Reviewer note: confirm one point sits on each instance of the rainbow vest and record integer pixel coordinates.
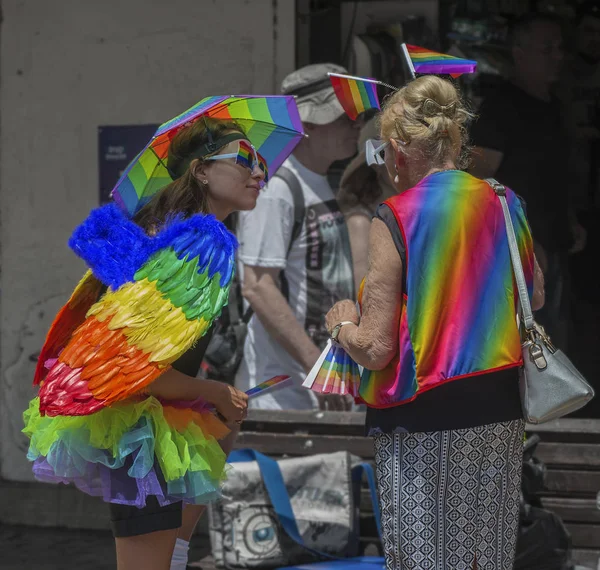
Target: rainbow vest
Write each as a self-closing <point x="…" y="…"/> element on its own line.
<point x="458" y="314"/>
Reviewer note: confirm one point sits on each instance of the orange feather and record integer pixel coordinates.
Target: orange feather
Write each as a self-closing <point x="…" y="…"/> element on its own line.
<point x="66" y="321"/>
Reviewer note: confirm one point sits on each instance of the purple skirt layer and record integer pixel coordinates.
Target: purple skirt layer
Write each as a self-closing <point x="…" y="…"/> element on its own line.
<point x="117" y="486"/>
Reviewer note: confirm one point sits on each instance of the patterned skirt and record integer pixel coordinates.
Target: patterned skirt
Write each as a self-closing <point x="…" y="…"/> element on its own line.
<point x="450" y="499"/>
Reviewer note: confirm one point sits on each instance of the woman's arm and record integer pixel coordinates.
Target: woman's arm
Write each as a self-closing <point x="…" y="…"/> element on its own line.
<point x="261" y="289"/>
<point x="230" y="402"/>
<point x="374" y="342"/>
<point x="359" y="225"/>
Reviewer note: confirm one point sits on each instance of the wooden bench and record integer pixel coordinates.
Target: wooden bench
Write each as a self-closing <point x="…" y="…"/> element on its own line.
<point x="570" y="449"/>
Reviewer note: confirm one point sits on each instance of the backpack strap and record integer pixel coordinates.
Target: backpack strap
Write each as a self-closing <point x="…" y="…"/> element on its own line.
<point x="299" y="212"/>
<point x="298" y="197"/>
<point x="293" y="184"/>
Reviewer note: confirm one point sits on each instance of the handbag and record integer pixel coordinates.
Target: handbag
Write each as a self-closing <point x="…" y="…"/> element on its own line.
<point x="550" y="385"/>
<point x="292" y="511"/>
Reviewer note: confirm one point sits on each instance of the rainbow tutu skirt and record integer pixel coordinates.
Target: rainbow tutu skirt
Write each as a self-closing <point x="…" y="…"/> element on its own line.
<point x="129" y="451"/>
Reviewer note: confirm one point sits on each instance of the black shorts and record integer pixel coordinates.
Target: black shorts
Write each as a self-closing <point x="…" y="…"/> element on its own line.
<point x="131" y="521"/>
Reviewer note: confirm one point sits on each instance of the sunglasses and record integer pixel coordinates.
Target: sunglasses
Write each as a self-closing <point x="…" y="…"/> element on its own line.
<point x="375" y="150"/>
<point x="247" y="157"/>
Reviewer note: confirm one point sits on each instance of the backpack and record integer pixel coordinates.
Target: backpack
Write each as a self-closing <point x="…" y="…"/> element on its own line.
<point x="226" y="347"/>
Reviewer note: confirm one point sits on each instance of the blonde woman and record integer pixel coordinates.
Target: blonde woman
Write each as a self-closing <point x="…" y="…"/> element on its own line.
<point x="439" y="341"/>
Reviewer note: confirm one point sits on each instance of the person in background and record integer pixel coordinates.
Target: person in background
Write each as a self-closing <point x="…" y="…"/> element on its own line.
<point x="579" y="91"/>
<point x="519" y="138"/>
<point x="440" y="345"/>
<point x="362" y="189"/>
<point x="291" y="280"/>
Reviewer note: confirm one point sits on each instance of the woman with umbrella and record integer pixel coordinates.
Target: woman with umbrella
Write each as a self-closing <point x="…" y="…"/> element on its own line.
<point x="114" y="415"/>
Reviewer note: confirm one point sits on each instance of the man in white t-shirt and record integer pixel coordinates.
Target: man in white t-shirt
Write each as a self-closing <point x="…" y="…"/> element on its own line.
<point x="310" y="263"/>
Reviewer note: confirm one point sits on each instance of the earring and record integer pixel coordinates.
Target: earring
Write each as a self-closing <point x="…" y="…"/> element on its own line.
<point x="205" y="182"/>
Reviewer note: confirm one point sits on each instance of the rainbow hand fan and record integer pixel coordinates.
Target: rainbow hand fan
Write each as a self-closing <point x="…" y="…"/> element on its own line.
<point x="334" y="372"/>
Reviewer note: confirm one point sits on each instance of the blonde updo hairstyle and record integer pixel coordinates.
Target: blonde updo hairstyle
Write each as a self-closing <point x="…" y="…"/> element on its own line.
<point x="428" y="116"/>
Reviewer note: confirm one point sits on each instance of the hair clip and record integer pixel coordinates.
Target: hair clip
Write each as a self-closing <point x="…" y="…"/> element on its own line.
<point x="431" y="108"/>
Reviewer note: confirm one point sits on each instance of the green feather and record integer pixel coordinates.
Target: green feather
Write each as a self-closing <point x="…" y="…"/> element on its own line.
<point x="183" y="277"/>
<point x="179" y="281"/>
<point x="171" y="266"/>
<point x="182" y="295"/>
<point x="144" y="270"/>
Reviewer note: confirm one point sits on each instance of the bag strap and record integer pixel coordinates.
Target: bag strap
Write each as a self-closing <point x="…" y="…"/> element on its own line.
<point x="293" y="184"/>
<point x="367" y="470"/>
<point x="298" y="197"/>
<point x="500" y="191"/>
<point x="280" y="499"/>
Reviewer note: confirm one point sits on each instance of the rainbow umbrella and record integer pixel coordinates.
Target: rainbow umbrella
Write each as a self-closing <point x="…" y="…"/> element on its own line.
<point x="271" y="123"/>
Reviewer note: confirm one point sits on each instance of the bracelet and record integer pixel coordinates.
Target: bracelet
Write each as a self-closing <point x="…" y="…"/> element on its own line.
<point x="335" y="331"/>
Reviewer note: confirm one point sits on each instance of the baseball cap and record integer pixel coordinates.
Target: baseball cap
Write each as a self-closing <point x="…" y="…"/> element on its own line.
<point x="315" y="97"/>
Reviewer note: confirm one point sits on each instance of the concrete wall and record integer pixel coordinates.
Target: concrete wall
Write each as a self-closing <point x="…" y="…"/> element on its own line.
<point x="384" y="12"/>
<point x="68" y="66"/>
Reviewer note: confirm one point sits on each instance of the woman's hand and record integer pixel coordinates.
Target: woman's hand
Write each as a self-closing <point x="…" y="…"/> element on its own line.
<point x="230" y="402"/>
<point x="341" y="311"/>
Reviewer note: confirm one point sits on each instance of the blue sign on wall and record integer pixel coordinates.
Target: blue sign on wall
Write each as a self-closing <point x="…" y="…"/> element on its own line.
<point x="117" y="146"/>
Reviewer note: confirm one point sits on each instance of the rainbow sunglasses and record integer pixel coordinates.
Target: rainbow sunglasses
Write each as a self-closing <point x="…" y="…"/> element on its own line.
<point x="247" y="157"/>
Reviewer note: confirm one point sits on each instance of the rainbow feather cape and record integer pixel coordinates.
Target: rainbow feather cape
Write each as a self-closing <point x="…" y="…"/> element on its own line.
<point x="164" y="293"/>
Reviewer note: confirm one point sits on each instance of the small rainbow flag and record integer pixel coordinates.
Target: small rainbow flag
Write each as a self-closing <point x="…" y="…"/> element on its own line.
<point x="355" y="94"/>
<point x="425" y="61"/>
<point x="269" y="385"/>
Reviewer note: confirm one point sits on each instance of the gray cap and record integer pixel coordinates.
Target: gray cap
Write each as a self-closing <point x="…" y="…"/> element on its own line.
<point x="315" y="97"/>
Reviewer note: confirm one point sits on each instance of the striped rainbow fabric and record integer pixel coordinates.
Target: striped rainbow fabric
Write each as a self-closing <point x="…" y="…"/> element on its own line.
<point x="271" y="123"/>
<point x="355" y="94"/>
<point x="459" y="313"/>
<point x="246" y="157"/>
<point x="425" y="61"/>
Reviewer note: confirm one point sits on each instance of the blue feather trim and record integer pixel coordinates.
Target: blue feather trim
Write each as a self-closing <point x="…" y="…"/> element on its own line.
<point x="114" y="247"/>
